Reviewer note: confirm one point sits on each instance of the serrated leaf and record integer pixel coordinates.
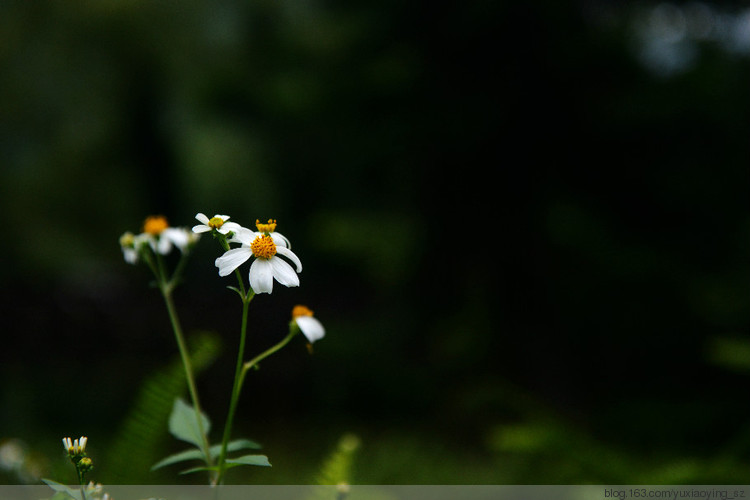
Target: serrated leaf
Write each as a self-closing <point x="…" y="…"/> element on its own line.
<point x="183" y="423"/>
<point x="261" y="460"/>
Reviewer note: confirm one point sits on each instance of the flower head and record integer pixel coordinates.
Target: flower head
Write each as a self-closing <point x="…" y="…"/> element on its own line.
<point x="266" y="248"/>
<point x="159" y="236"/>
<point x="216" y="223"/>
<point x="75" y="448"/>
<point x="269" y="228"/>
<point x="129" y="247"/>
<point x="308" y="325"/>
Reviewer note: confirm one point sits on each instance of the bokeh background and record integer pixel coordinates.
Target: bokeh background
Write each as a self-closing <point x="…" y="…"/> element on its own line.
<point x="523" y="224"/>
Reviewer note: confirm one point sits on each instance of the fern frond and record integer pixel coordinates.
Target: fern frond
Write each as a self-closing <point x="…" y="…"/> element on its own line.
<point x="142" y="436"/>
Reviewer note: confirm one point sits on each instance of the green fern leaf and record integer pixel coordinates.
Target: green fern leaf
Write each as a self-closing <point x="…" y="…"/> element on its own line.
<point x="143" y="433"/>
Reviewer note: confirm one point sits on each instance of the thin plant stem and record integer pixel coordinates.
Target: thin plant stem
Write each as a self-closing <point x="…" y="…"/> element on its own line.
<point x="166" y="286"/>
<point x="260" y="357"/>
<point x="82" y="482"/>
<point x="247" y="296"/>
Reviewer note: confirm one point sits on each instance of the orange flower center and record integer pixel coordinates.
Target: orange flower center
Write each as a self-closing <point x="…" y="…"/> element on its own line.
<point x="301" y="311"/>
<point x="263" y="247"/>
<point x="155" y="224"/>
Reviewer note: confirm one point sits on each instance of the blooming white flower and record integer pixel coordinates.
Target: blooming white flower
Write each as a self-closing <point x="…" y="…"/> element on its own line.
<point x="308" y="325"/>
<point x="162" y="237"/>
<point x="217" y="222"/>
<point x="76" y="447"/>
<point x="267" y="265"/>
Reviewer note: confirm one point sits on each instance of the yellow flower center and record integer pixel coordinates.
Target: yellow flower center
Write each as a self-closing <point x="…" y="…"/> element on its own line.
<point x="215" y="222"/>
<point x="263" y="247"/>
<point x="127" y="239"/>
<point x="301" y="311"/>
<point x="155" y="224"/>
<point x="268" y="227"/>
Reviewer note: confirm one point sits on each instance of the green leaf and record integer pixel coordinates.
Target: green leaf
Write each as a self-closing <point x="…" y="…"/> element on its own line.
<point x="198" y="469"/>
<point x="237" y="444"/>
<point x="193" y="454"/>
<point x="196" y="454"/>
<point x="261" y="460"/>
<point x="183" y="423"/>
<point x="61" y="489"/>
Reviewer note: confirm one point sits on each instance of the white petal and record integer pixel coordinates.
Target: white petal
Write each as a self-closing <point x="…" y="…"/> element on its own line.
<point x="230" y="226"/>
<point x="201" y="218"/>
<point x="291" y="256"/>
<point x="280" y="240"/>
<point x="178" y="236"/>
<point x="232" y="259"/>
<point x="242" y="235"/>
<point x="261" y="276"/>
<point x="201" y="228"/>
<point x="163" y="245"/>
<point x="283" y="272"/>
<point x="311" y="328"/>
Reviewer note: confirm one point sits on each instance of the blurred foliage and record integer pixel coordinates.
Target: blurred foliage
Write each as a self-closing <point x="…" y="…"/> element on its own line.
<point x="528" y="249"/>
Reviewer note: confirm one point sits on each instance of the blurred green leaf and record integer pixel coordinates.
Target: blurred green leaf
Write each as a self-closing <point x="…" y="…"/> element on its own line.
<point x="183" y="423"/>
<point x="261" y="460"/>
<point x="196" y="454"/>
<point x="61" y="490"/>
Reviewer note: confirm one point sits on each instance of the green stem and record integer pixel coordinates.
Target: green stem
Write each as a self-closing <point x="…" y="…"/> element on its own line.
<point x="81" y="480"/>
<point x="237" y="385"/>
<point x="166" y="287"/>
<point x="260" y="357"/>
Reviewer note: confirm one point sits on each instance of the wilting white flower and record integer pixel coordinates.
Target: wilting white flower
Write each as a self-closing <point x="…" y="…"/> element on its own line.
<point x="308" y="325"/>
<point x="267" y="265"/>
<point x="217" y="222"/>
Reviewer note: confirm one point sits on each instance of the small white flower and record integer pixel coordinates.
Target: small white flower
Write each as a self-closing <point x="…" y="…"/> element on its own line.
<point x="267" y="265"/>
<point x="217" y="222"/>
<point x="129" y="248"/>
<point x="161" y="237"/>
<point x="308" y="325"/>
<point x="76" y="447"/>
<point x="178" y="236"/>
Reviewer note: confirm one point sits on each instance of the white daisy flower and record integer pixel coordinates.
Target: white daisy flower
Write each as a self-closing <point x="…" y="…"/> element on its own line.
<point x="308" y="325"/>
<point x="75" y="447"/>
<point x="162" y="237"/>
<point x="217" y="222"/>
<point x="267" y="265"/>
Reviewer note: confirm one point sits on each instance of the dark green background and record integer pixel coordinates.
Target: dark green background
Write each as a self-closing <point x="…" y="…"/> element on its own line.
<point x="530" y="252"/>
